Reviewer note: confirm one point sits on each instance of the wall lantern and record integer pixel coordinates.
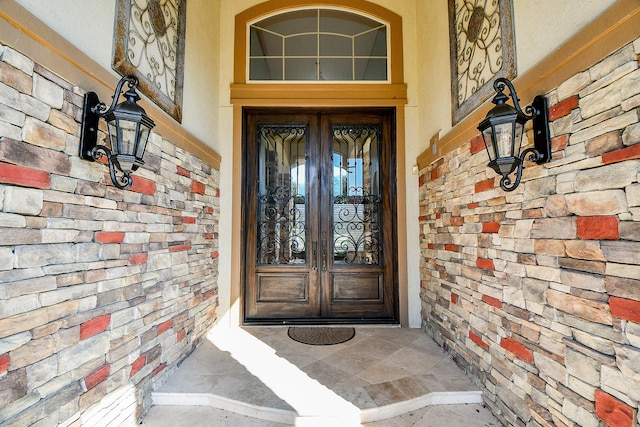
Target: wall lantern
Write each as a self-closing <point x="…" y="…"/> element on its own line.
<point x="128" y="126"/>
<point x="502" y="131"/>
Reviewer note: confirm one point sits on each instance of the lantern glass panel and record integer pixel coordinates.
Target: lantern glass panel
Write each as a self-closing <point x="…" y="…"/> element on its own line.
<point x="504" y="139"/>
<point x="517" y="142"/>
<point x="142" y="142"/>
<point x="487" y="135"/>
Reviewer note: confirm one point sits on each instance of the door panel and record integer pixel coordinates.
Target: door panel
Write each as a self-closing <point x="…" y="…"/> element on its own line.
<point x="318" y="217"/>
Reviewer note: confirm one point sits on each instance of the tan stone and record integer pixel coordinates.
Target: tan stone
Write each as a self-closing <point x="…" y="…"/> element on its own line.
<point x="17" y="60"/>
<point x="584" y="249"/>
<point x="63" y="122"/>
<point x="555" y="206"/>
<point x="32" y="352"/>
<point x="579" y="415"/>
<point x="582" y="367"/>
<point x="631" y="134"/>
<point x="609" y="202"/>
<point x="43" y="135"/>
<point x="623" y="57"/>
<point x="550" y="368"/>
<point x="574" y="85"/>
<point x="580" y="280"/>
<point x="619" y="385"/>
<point x="554" y="228"/>
<point x="623" y="270"/>
<point x="610" y="96"/>
<point x="613" y="124"/>
<point x="601" y="345"/>
<point x="47" y="91"/>
<point x="583" y="308"/>
<point x="617" y="175"/>
<point x="603" y="144"/>
<point x="33" y="107"/>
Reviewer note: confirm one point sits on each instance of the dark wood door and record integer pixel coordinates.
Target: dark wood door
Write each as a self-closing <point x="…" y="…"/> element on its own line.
<point x="318" y="209"/>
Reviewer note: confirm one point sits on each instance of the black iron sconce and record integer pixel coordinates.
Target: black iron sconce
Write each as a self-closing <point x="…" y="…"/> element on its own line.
<point x="128" y="127"/>
<point x="502" y="131"/>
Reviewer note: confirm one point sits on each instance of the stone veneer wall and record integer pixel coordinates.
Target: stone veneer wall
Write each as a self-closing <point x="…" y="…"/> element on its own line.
<point x="537" y="292"/>
<point x="102" y="291"/>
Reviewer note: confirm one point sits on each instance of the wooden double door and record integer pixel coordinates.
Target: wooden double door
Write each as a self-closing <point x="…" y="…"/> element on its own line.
<point x="319" y="216"/>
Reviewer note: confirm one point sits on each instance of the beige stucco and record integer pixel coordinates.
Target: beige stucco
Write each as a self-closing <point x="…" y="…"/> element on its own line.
<point x="209" y="116"/>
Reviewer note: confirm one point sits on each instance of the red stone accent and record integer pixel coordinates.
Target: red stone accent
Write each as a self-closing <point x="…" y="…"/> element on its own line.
<point x="197" y="187"/>
<point x="96" y="377"/>
<point x="182" y="335"/>
<point x="454" y="298"/>
<point x="613" y="412"/>
<point x="518" y="349"/>
<point x="477" y="144"/>
<point x="485" y="263"/>
<point x="563" y="108"/>
<point x="158" y="369"/>
<point x="189" y="220"/>
<point x="476" y="339"/>
<point x="210" y="209"/>
<point x="215" y="254"/>
<point x="430" y="246"/>
<point x="109" y="237"/>
<point x="5" y="361"/>
<point x="423" y="218"/>
<point x="487" y="184"/>
<point x="492" y="301"/>
<point x="473" y="205"/>
<point x="625" y="309"/>
<point x="559" y="143"/>
<point x="178" y="248"/>
<point x="138" y="259"/>
<point x="94" y="326"/>
<point x="621" y="155"/>
<point x="138" y="364"/>
<point x="208" y="235"/>
<point x="210" y="293"/>
<point x="183" y="172"/>
<point x="457" y="221"/>
<point x="165" y="326"/>
<point x="218" y="193"/>
<point x="598" y="228"/>
<point x="490" y="227"/>
<point x="436" y="173"/>
<point x="452" y="248"/>
<point x="420" y="180"/>
<point x="438" y="215"/>
<point x="25" y="177"/>
<point x="143" y="185"/>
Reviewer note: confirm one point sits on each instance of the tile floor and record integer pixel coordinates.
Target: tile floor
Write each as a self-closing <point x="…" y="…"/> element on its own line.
<point x="258" y="376"/>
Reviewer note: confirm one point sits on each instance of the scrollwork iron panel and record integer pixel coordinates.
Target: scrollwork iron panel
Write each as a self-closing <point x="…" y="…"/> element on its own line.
<point x="356" y="195"/>
<point x="281" y="198"/>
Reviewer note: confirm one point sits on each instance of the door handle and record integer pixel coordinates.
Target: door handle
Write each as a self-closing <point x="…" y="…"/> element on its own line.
<point x="314" y="256"/>
<point x="324" y="251"/>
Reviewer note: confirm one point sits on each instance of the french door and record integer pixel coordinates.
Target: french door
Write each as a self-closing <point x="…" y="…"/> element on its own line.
<point x="319" y="216"/>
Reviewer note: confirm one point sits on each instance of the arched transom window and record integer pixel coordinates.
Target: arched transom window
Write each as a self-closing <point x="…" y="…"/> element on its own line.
<point x="318" y="45"/>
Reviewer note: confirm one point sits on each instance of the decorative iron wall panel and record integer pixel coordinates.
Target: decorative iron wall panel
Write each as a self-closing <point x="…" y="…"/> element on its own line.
<point x="482" y="49"/>
<point x="149" y="43"/>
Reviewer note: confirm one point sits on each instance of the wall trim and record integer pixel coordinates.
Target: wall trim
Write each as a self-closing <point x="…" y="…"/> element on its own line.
<point x="25" y="33"/>
<point x="616" y="27"/>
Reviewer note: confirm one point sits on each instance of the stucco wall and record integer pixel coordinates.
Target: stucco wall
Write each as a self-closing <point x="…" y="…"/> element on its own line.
<point x="89" y="25"/>
<point x="537" y="292"/>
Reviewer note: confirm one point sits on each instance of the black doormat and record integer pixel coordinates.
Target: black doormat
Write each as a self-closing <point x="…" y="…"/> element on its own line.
<point x="321" y="335"/>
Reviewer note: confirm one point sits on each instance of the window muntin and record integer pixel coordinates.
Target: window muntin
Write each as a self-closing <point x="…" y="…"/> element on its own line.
<point x="318" y="45"/>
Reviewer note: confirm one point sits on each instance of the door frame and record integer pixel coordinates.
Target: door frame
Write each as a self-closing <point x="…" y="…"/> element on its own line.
<point x="351" y="95"/>
<point x="323" y="117"/>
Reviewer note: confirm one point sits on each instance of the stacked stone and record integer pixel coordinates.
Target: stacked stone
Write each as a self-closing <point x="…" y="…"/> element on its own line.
<point x="102" y="290"/>
<point x="537" y="292"/>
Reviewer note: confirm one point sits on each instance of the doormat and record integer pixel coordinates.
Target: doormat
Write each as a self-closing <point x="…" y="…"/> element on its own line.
<point x="321" y="335"/>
